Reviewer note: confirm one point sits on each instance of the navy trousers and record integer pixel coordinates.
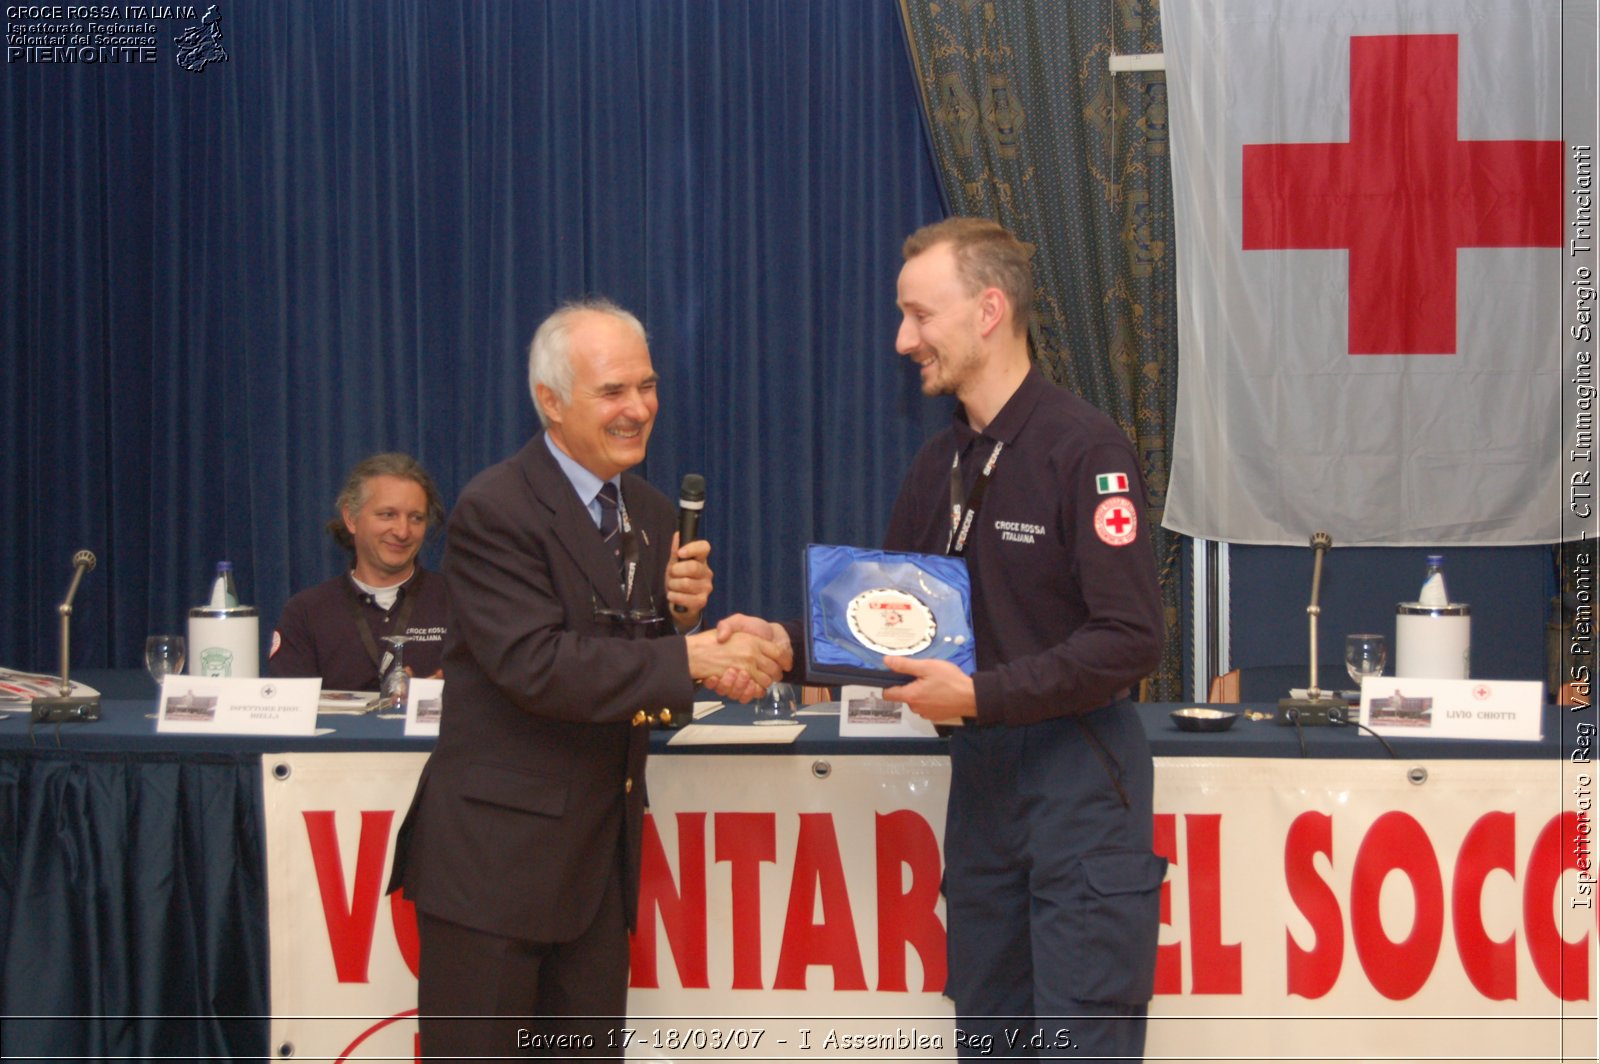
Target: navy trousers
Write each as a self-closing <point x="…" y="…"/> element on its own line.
<point x="1052" y="891"/>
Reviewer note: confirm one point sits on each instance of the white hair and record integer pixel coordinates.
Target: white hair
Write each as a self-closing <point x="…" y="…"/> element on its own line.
<point x="550" y="353"/>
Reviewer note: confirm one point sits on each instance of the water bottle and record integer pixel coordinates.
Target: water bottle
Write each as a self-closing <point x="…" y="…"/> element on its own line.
<point x="224" y="637"/>
<point x="1433" y="636"/>
<point x="1433" y="592"/>
<point x="224" y="596"/>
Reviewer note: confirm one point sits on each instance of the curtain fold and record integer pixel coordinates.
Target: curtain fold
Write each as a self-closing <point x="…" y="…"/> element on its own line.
<point x="135" y="890"/>
<point x="223" y="288"/>
<point x="1033" y="129"/>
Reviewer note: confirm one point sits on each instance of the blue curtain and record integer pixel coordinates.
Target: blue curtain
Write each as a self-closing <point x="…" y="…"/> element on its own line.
<point x="223" y="287"/>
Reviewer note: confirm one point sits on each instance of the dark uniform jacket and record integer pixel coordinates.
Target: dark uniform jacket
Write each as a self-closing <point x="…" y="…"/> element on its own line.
<point x="1066" y="607"/>
<point x="534" y="795"/>
<point x="319" y="633"/>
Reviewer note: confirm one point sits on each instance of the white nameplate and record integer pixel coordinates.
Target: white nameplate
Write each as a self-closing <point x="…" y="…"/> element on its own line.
<point x="864" y="713"/>
<point x="424" y="701"/>
<point x="1453" y="709"/>
<point x="222" y="705"/>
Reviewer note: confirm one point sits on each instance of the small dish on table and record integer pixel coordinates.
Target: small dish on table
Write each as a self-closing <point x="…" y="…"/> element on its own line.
<point x="1201" y="719"/>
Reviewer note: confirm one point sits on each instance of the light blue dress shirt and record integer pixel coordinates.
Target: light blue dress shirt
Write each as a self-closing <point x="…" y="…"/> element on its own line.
<point x="585" y="483"/>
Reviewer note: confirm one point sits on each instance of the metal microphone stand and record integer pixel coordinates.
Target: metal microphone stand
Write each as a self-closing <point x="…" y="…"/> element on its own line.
<point x="1318" y="707"/>
<point x="65" y="706"/>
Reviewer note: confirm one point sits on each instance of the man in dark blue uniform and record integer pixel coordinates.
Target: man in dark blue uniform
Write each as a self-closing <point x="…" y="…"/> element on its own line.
<point x="336" y="630"/>
<point x="1051" y="886"/>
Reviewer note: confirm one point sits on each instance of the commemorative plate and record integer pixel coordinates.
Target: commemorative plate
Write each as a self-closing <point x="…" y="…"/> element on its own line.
<point x="864" y="605"/>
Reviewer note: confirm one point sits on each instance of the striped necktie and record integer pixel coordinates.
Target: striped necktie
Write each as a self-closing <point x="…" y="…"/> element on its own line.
<point x="609" y="524"/>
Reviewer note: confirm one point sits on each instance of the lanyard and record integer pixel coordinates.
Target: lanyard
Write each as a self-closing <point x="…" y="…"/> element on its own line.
<point x="963" y="514"/>
<point x="630" y="549"/>
<point x="365" y="629"/>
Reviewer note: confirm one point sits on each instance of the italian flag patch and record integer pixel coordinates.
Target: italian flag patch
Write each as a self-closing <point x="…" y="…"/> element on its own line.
<point x="1111" y="483"/>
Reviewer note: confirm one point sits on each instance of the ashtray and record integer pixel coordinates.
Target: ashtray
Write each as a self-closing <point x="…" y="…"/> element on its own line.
<point x="1196" y="718"/>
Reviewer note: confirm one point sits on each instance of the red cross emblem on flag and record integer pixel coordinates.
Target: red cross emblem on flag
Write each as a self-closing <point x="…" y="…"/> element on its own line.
<point x="1403" y="194"/>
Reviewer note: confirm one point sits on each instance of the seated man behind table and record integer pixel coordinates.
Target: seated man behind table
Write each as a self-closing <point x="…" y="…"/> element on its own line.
<point x="336" y="629"/>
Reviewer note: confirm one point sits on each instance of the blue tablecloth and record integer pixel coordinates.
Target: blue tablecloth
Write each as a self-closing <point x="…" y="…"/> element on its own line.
<point x="128" y="700"/>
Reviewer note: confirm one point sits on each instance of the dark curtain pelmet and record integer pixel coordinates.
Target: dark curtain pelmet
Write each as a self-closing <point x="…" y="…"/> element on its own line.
<point x="1033" y="129"/>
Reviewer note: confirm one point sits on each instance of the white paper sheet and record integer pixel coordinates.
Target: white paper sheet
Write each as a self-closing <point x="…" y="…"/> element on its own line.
<point x="736" y="734"/>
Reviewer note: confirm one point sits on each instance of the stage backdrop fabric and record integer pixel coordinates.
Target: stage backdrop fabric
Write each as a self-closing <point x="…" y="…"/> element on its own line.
<point x="1033" y="129"/>
<point x="1370" y="210"/>
<point x="220" y="288"/>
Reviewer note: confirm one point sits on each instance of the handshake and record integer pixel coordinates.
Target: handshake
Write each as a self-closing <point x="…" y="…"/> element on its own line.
<point x="745" y="655"/>
<point x="741" y="658"/>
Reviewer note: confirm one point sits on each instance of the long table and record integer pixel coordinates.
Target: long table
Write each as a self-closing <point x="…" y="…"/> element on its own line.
<point x="136" y="895"/>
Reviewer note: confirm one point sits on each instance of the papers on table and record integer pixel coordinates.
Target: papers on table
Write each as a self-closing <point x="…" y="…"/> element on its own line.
<point x="347" y="702"/>
<point x="21" y="688"/>
<point x="736" y="734"/>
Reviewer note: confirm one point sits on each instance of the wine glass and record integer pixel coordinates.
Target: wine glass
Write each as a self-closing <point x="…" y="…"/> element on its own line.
<point x="1365" y="654"/>
<point x="780" y="703"/>
<point x="395" y="684"/>
<point x="163" y="656"/>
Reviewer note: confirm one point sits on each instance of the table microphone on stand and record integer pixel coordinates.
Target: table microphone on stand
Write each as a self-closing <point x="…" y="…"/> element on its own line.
<point x="1318" y="707"/>
<point x="64" y="706"/>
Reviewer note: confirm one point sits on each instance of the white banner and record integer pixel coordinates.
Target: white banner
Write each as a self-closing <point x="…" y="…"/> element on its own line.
<point x="1327" y="909"/>
<point x="1371" y="202"/>
<point x="344" y="955"/>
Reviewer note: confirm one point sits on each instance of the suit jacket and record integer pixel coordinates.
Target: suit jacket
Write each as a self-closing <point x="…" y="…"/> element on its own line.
<point x="534" y="795"/>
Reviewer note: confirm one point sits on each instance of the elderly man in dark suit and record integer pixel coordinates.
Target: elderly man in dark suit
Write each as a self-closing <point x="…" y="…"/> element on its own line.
<point x="521" y="848"/>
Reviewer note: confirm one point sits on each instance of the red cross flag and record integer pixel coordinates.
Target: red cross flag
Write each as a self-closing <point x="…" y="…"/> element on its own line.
<point x="1372" y="217"/>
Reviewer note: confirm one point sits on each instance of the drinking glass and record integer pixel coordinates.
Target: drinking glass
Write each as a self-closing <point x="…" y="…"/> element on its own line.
<point x="395" y="684"/>
<point x="781" y="702"/>
<point x="163" y="656"/>
<point x="1365" y="654"/>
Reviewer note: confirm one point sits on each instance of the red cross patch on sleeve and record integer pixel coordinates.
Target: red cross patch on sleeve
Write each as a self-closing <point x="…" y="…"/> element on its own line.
<point x="1116" y="521"/>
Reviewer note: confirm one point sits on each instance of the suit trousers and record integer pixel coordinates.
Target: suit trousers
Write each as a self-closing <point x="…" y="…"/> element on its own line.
<point x="483" y="996"/>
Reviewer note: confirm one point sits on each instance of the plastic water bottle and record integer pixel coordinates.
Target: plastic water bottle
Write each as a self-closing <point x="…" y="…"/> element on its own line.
<point x="1433" y="592"/>
<point x="224" y="596"/>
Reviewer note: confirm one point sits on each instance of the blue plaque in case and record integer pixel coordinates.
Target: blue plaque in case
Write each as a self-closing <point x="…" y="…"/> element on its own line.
<point x="863" y="605"/>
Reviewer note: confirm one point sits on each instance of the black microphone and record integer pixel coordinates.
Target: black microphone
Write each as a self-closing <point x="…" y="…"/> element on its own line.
<point x="691" y="502"/>
<point x="64" y="707"/>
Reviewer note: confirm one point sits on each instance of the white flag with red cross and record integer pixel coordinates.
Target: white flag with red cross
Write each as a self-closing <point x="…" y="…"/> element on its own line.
<point x="1371" y="219"/>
